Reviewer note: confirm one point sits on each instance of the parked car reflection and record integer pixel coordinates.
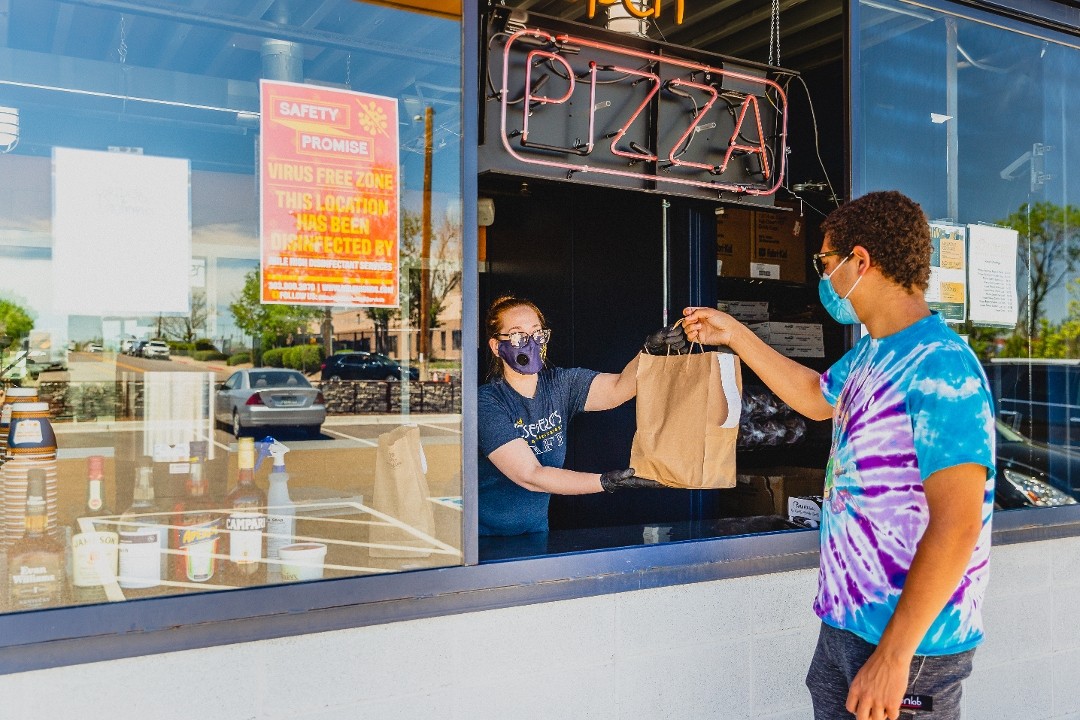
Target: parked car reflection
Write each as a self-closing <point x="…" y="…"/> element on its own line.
<point x="1031" y="474"/>
<point x="364" y="366"/>
<point x="269" y="397"/>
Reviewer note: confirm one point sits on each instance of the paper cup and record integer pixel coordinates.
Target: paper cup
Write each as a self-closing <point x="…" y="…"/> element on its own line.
<point x="302" y="561"/>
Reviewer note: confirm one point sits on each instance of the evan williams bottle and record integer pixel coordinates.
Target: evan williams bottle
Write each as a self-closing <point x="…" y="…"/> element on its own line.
<point x="36" y="562"/>
<point x="245" y="524"/>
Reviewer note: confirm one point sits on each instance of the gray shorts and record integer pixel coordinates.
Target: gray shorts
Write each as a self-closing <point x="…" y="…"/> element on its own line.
<point x="839" y="656"/>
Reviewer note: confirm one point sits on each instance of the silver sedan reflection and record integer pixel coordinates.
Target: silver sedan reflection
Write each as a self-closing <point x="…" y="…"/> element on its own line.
<point x="269" y="397"/>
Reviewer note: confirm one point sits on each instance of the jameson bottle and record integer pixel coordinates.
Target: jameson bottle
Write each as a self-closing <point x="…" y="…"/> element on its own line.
<point x="35" y="562"/>
<point x="197" y="531"/>
<point x="93" y="544"/>
<point x="246" y="522"/>
<point x="143" y="537"/>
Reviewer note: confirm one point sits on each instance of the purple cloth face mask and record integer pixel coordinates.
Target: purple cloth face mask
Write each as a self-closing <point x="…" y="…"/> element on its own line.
<point x="527" y="360"/>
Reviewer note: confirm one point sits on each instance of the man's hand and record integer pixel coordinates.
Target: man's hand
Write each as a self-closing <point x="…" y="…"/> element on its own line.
<point x="878" y="688"/>
<point x="614" y="480"/>
<point x="709" y="326"/>
<point x="667" y="340"/>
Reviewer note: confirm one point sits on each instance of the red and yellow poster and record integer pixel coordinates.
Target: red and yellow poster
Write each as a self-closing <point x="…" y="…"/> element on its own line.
<point x="329" y="194"/>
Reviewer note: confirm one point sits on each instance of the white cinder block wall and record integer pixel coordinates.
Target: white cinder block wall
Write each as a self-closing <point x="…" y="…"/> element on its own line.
<point x="728" y="649"/>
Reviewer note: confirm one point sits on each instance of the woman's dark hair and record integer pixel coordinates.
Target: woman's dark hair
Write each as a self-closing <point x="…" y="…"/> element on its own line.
<point x="493" y="322"/>
<point x="893" y="229"/>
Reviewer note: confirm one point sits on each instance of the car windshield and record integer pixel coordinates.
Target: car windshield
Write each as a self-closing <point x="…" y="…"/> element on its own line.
<point x="277" y="378"/>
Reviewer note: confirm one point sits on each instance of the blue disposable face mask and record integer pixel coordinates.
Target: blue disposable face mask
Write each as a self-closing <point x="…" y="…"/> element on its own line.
<point x="527" y="360"/>
<point x="840" y="308"/>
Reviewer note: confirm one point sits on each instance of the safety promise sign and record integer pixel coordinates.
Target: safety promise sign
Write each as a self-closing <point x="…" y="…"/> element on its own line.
<point x="329" y="191"/>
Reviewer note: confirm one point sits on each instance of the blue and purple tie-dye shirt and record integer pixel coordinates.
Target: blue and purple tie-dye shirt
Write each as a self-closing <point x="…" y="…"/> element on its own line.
<point x="906" y="406"/>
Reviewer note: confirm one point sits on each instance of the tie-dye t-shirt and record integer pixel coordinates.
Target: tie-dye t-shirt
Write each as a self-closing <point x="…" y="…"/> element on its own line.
<point x="906" y="406"/>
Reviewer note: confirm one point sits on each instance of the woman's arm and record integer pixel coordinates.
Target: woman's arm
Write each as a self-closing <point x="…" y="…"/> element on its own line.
<point x="609" y="390"/>
<point x="516" y="461"/>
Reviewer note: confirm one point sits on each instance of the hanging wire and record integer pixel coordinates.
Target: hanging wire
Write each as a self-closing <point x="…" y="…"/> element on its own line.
<point x="348" y="70"/>
<point x="774" y="34"/>
<point x="122" y="50"/>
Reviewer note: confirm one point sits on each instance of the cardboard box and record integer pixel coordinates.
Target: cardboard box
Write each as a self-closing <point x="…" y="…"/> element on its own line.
<point x="814" y="351"/>
<point x="805" y="510"/>
<point x="766" y="491"/>
<point x="779" y="251"/>
<point x="778" y="333"/>
<point x="734" y="238"/>
<point x="747" y="311"/>
<point x="763" y="244"/>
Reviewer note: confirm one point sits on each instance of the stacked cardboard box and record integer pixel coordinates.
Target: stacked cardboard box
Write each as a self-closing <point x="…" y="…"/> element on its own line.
<point x="745" y="311"/>
<point x="792" y="339"/>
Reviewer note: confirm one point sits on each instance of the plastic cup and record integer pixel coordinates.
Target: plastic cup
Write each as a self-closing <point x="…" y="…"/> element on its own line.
<point x="302" y="561"/>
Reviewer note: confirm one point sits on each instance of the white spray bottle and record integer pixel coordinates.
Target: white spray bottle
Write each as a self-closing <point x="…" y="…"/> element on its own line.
<point x="281" y="512"/>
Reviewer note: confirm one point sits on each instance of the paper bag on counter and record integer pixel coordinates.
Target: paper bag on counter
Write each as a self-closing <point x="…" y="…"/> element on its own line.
<point x="401" y="494"/>
<point x="688" y="409"/>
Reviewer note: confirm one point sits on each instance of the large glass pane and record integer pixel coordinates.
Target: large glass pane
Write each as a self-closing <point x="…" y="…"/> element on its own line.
<point x="971" y="115"/>
<point x="227" y="230"/>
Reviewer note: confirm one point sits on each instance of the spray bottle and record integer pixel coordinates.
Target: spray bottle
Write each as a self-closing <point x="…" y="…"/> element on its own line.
<point x="280" y="511"/>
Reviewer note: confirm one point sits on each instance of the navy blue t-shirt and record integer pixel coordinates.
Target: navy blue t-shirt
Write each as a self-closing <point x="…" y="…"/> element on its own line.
<point x="503" y="415"/>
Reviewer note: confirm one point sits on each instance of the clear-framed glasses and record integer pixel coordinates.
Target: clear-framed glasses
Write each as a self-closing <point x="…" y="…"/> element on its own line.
<point x="521" y="339"/>
<point x="819" y="266"/>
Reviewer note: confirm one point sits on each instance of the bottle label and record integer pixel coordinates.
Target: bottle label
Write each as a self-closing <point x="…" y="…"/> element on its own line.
<point x="279" y="533"/>
<point x="198" y="543"/>
<point x="93" y="558"/>
<point x="36" y="584"/>
<point x="140" y="557"/>
<point x="27" y="431"/>
<point x="245" y="536"/>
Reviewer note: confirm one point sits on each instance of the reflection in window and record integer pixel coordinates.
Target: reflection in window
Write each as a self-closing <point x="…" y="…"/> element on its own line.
<point x="953" y="84"/>
<point x="134" y="302"/>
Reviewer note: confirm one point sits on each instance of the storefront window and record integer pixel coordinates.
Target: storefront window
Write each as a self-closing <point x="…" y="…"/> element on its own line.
<point x="227" y="236"/>
<point x="971" y="116"/>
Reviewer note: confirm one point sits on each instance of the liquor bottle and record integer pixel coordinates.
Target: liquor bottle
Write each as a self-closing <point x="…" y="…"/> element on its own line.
<point x="143" y="537"/>
<point x="198" y="532"/>
<point x="93" y="544"/>
<point x="35" y="562"/>
<point x="246" y="522"/>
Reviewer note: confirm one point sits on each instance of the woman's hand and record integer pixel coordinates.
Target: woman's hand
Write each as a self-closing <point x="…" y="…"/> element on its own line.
<point x="709" y="326"/>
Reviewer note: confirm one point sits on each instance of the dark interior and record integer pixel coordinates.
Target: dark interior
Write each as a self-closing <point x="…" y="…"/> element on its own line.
<point x="591" y="258"/>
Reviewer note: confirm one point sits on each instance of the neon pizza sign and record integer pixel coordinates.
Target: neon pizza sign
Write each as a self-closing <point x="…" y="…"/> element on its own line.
<point x="579" y="103"/>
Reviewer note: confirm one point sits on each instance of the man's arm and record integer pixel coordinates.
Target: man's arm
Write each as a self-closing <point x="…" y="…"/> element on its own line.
<point x="795" y="384"/>
<point x="954" y="497"/>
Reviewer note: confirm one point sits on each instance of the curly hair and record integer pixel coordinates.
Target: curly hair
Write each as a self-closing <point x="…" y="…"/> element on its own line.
<point x="493" y="321"/>
<point x="894" y="230"/>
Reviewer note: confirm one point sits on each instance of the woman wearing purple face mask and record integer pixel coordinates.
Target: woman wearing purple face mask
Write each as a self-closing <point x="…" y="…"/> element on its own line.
<point x="523" y="414"/>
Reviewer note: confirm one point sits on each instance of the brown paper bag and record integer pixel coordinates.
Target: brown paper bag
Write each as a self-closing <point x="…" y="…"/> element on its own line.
<point x="401" y="493"/>
<point x="688" y="410"/>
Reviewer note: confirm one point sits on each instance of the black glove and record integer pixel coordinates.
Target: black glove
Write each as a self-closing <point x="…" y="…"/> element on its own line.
<point x="668" y="340"/>
<point x="614" y="480"/>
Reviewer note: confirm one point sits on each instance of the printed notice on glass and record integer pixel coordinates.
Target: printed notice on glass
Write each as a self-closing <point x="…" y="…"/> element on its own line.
<point x="329" y="177"/>
<point x="947" y="292"/>
<point x="992" y="271"/>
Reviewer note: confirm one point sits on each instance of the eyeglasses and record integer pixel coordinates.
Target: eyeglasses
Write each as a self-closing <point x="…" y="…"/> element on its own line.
<point x="819" y="266"/>
<point x="521" y="339"/>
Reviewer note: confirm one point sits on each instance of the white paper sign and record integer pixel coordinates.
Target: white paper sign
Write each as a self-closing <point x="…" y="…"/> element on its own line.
<point x="992" y="275"/>
<point x="121" y="233"/>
